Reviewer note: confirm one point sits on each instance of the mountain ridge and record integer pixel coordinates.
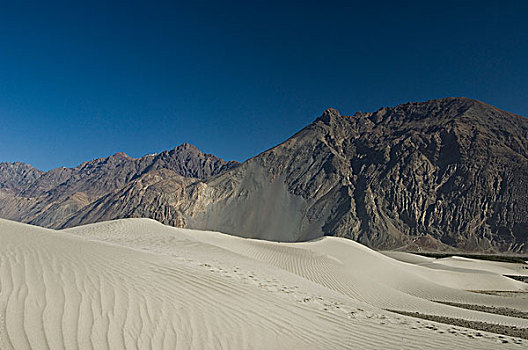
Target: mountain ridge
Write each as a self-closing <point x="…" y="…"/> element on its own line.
<point x="443" y="174"/>
<point x="50" y="197"/>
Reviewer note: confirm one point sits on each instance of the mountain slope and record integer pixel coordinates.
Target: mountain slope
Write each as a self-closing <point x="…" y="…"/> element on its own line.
<point x="15" y="176"/>
<point x="433" y="175"/>
<point x="49" y="198"/>
<point x="444" y="173"/>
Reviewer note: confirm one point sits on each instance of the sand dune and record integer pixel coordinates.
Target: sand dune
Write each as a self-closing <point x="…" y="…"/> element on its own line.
<point x="137" y="284"/>
<point x="457" y="263"/>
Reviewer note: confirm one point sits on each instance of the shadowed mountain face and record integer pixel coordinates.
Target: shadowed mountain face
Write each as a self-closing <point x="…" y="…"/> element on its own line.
<point x="50" y="198"/>
<point x="434" y="175"/>
<point x="16" y="176"/>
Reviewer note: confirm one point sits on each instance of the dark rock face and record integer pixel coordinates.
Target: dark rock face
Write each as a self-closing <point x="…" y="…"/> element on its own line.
<point x="454" y="170"/>
<point x="16" y="176"/>
<point x="149" y="196"/>
<point x="434" y="175"/>
<point x="437" y="175"/>
<point x="450" y="172"/>
<point x="50" y="198"/>
<point x="188" y="161"/>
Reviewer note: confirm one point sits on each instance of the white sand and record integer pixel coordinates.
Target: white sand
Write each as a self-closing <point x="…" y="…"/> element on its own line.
<point x="137" y="284"/>
<point x="454" y="263"/>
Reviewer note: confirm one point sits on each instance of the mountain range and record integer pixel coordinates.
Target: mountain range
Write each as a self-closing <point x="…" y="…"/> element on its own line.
<point x="446" y="174"/>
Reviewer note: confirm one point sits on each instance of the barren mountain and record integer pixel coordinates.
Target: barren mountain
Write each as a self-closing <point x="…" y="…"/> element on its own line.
<point x="50" y="198"/>
<point x="443" y="174"/>
<point x="16" y="176"/>
<point x="440" y="174"/>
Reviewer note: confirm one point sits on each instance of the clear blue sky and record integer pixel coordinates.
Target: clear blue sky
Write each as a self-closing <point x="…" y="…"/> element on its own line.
<point x="86" y="80"/>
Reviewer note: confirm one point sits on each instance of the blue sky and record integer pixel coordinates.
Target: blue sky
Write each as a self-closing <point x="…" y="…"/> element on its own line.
<point x="81" y="80"/>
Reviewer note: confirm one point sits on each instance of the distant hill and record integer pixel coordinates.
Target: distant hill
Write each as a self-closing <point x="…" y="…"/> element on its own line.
<point x="444" y="174"/>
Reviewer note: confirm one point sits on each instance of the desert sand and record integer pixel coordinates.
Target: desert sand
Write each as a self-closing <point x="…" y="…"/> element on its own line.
<point x="137" y="284"/>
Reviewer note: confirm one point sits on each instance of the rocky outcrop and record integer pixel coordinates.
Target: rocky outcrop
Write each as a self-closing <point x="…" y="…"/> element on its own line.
<point x="16" y="176"/>
<point x="188" y="161"/>
<point x="149" y="196"/>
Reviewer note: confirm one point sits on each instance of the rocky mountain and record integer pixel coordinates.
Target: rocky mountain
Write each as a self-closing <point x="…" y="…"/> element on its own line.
<point x="438" y="175"/>
<point x="16" y="176"/>
<point x="50" y="198"/>
<point x="443" y="174"/>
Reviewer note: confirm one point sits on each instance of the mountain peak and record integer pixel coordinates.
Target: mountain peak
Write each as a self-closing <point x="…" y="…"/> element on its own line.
<point x="331" y="112"/>
<point x="186" y="146"/>
<point x="328" y="115"/>
<point x="120" y="155"/>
